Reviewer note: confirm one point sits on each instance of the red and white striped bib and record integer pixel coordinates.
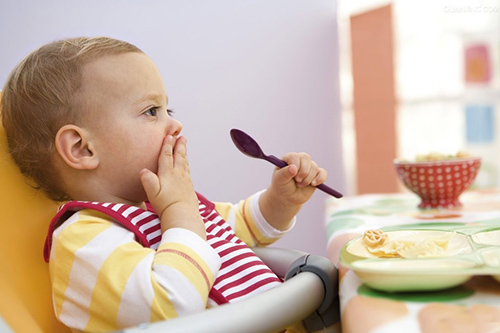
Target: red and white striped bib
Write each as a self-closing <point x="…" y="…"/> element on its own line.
<point x="241" y="274"/>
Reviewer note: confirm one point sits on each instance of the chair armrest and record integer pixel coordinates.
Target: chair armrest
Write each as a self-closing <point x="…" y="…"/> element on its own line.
<point x="277" y="259"/>
<point x="263" y="312"/>
<point x="288" y="263"/>
<point x="328" y="313"/>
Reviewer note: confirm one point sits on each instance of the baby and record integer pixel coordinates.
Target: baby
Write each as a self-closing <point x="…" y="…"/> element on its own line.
<point x="87" y="120"/>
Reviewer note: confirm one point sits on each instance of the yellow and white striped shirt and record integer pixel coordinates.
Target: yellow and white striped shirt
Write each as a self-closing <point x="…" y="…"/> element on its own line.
<point x="108" y="275"/>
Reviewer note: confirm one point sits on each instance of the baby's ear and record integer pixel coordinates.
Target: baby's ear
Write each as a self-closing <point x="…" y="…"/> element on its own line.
<point x="75" y="148"/>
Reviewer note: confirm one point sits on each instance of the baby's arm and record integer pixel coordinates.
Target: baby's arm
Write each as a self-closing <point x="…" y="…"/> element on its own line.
<point x="290" y="188"/>
<point x="266" y="216"/>
<point x="104" y="280"/>
<point x="247" y="221"/>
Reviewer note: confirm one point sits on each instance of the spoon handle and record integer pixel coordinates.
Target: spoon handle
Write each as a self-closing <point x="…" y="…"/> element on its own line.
<point x="327" y="189"/>
<point x="323" y="187"/>
<point x="276" y="161"/>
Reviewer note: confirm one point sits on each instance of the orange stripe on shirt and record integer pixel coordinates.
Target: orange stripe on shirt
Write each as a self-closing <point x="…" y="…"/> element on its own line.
<point x="255" y="238"/>
<point x="191" y="260"/>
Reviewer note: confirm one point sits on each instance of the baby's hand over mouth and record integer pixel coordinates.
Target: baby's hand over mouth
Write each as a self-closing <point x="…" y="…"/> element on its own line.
<point x="171" y="191"/>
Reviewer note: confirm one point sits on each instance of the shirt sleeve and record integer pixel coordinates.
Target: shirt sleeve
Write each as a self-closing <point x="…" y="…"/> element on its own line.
<point x="92" y="256"/>
<point x="249" y="224"/>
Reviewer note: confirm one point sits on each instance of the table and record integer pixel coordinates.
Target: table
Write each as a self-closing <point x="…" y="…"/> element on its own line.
<point x="471" y="307"/>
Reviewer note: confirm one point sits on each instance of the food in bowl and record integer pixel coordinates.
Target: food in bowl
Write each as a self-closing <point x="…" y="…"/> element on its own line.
<point x="412" y="244"/>
<point x="406" y="246"/>
<point x="374" y="237"/>
<point x="436" y="156"/>
<point x="439" y="183"/>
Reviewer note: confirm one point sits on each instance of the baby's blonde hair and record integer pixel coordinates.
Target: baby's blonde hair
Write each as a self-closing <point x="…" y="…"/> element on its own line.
<point x="41" y="95"/>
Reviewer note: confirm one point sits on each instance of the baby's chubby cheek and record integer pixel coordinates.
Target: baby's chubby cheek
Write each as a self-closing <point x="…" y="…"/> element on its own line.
<point x="154" y="153"/>
<point x="159" y="149"/>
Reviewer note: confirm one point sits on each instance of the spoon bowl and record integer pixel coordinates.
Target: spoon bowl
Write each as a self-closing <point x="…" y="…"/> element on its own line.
<point x="248" y="146"/>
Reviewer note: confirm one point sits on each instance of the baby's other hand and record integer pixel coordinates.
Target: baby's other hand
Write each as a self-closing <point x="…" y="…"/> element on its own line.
<point x="296" y="182"/>
<point x="171" y="191"/>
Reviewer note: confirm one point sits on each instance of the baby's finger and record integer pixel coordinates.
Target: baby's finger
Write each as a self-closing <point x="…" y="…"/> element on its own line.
<point x="150" y="183"/>
<point x="320" y="178"/>
<point x="292" y="159"/>
<point x="286" y="174"/>
<point x="166" y="160"/>
<point x="304" y="169"/>
<point x="311" y="175"/>
<point x="180" y="152"/>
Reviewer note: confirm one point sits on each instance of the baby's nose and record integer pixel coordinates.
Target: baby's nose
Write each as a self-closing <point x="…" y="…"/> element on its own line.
<point x="175" y="127"/>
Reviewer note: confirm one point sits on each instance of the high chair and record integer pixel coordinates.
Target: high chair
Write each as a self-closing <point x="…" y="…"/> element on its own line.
<point x="26" y="302"/>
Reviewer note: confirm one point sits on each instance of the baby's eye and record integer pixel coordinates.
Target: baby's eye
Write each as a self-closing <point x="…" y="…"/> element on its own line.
<point x="170" y="112"/>
<point x="152" y="111"/>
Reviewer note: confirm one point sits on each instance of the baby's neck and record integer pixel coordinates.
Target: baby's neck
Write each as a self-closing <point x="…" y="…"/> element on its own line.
<point x="110" y="199"/>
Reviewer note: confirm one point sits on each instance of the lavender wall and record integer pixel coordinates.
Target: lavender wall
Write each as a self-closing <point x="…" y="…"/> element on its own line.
<point x="267" y="67"/>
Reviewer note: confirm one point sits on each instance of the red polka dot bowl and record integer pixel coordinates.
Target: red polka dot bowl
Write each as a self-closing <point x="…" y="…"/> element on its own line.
<point x="439" y="183"/>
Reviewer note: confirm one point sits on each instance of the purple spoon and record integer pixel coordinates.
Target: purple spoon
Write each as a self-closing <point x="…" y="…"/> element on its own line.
<point x="248" y="146"/>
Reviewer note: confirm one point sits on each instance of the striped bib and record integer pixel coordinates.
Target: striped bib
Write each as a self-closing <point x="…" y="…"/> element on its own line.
<point x="241" y="274"/>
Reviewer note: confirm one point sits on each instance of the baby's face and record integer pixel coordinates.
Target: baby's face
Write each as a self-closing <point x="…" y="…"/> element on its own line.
<point x="127" y="119"/>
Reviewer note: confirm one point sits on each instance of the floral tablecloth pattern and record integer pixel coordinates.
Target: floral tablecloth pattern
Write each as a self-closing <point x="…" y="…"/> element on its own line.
<point x="471" y="307"/>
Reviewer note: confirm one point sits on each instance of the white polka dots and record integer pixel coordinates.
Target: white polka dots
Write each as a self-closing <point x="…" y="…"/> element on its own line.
<point x="439" y="184"/>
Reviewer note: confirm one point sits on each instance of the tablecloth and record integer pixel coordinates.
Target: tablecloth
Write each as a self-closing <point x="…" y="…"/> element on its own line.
<point x="471" y="307"/>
